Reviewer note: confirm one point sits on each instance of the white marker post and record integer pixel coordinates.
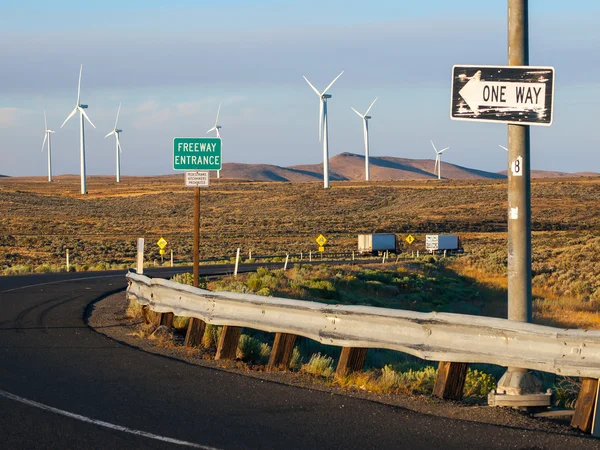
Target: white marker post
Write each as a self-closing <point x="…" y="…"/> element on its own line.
<point x="171" y="258"/>
<point x="237" y="263"/>
<point x="140" y="256"/>
<point x="68" y="265"/>
<point x="310" y="256"/>
<point x="287" y="258"/>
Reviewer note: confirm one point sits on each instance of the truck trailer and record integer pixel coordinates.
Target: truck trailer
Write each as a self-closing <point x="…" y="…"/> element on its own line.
<point x="437" y="243"/>
<point x="377" y="242"/>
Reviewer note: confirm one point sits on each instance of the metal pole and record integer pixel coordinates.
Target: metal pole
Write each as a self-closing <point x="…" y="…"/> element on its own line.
<point x="196" y="248"/>
<point x="519" y="190"/>
<point x="325" y="146"/>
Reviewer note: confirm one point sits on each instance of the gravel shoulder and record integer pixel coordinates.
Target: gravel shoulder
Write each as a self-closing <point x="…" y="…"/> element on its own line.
<point x="107" y="317"/>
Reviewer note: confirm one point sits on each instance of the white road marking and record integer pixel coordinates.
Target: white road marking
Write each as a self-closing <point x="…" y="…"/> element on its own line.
<point x="102" y="423"/>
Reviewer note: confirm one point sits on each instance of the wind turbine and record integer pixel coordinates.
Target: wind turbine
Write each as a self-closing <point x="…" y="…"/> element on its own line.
<point x="502" y="146"/>
<point x="365" y="119"/>
<point x="81" y="108"/>
<point x="216" y="128"/>
<point x="323" y="128"/>
<point x="118" y="150"/>
<point x="438" y="160"/>
<point x="47" y="137"/>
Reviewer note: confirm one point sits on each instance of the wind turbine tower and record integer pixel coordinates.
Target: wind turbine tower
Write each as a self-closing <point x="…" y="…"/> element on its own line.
<point x="47" y="137"/>
<point x="81" y="108"/>
<point x="323" y="128"/>
<point x="216" y="128"/>
<point x="365" y="117"/>
<point x="118" y="150"/>
<point x="438" y="160"/>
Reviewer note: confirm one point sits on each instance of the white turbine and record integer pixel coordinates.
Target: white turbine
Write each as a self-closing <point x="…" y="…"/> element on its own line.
<point x="438" y="160"/>
<point x="365" y="119"/>
<point x="502" y="146"/>
<point x="118" y="150"/>
<point x="81" y="108"/>
<point x="323" y="128"/>
<point x="216" y="128"/>
<point x="47" y="137"/>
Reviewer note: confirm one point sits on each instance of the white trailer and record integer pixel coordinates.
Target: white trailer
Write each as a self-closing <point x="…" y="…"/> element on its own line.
<point x="375" y="243"/>
<point x="435" y="243"/>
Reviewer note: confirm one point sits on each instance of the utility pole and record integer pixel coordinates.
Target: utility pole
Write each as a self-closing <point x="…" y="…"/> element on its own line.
<point x="519" y="387"/>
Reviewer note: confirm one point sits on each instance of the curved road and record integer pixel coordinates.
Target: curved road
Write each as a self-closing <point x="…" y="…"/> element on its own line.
<point x="63" y="385"/>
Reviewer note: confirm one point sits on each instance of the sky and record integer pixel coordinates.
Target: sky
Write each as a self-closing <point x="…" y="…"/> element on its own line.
<point x="170" y="64"/>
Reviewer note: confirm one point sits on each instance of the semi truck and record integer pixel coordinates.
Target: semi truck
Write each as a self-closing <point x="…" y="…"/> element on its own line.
<point x="438" y="243"/>
<point x="377" y="242"/>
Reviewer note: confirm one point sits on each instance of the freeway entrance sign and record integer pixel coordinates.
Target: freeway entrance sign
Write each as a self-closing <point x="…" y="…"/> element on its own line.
<point x="197" y="154"/>
<point x="508" y="94"/>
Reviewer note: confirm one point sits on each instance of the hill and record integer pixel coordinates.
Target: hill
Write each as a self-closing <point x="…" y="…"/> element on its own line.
<point x="556" y="174"/>
<point x="351" y="167"/>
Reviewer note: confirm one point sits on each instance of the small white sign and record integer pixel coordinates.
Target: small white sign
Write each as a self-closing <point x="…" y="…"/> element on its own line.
<point x="514" y="213"/>
<point x="197" y="179"/>
<point x="517" y="167"/>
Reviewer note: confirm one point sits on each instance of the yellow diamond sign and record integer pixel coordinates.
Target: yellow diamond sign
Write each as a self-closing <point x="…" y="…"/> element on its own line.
<point x="321" y="240"/>
<point x="410" y="239"/>
<point x="161" y="243"/>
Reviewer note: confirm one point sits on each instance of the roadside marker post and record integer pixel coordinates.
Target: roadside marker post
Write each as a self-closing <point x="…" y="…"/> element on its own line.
<point x="68" y="266"/>
<point x="237" y="262"/>
<point x="140" y="256"/>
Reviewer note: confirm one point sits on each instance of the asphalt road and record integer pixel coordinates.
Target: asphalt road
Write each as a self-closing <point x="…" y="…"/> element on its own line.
<point x="63" y="385"/>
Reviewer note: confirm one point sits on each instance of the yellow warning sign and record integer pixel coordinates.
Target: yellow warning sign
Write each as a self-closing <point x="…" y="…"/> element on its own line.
<point x="410" y="239"/>
<point x="321" y="240"/>
<point x="161" y="243"/>
<point x="321" y="248"/>
<point x="162" y="251"/>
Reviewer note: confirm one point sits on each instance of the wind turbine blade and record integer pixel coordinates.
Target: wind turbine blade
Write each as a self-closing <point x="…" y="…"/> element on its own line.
<point x="118" y="111"/>
<point x="79" y="85"/>
<point x="119" y="143"/>
<point x="435" y="149"/>
<point x="109" y="134"/>
<point x="86" y="116"/>
<point x="218" y="111"/>
<point x="321" y="118"/>
<point x="442" y="150"/>
<point x="502" y="146"/>
<point x="44" y="143"/>
<point x="331" y="84"/>
<point x="359" y="114"/>
<point x="212" y="129"/>
<point x="70" y="115"/>
<point x="310" y="84"/>
<point x="371" y="106"/>
<point x="45" y="123"/>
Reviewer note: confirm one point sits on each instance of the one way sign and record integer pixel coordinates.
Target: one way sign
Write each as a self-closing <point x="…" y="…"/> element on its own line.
<point x="509" y="94"/>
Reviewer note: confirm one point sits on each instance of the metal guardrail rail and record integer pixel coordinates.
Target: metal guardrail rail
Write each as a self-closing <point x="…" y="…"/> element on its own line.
<point x="430" y="336"/>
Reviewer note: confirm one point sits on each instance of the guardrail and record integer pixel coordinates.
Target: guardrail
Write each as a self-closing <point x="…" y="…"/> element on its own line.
<point x="430" y="336"/>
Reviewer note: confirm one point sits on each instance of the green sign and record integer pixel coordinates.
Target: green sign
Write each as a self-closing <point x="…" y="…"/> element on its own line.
<point x="197" y="154"/>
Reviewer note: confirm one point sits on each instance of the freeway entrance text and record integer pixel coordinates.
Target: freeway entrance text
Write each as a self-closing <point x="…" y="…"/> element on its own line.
<point x="197" y="154"/>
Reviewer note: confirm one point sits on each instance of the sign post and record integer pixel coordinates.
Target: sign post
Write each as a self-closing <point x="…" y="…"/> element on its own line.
<point x="196" y="154"/>
<point x="518" y="95"/>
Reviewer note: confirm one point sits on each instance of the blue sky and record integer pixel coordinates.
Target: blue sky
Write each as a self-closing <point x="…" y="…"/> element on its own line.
<point x="171" y="64"/>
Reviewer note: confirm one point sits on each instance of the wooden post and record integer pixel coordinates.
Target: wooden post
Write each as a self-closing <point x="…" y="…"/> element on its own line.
<point x="585" y="405"/>
<point x="166" y="319"/>
<point x="450" y="380"/>
<point x="196" y="327"/>
<point x="282" y="351"/>
<point x="195" y="331"/>
<point x="352" y="359"/>
<point x="228" y="342"/>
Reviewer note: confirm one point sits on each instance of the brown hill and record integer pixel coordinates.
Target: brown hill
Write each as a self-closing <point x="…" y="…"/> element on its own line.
<point x="351" y="167"/>
<point x="556" y="174"/>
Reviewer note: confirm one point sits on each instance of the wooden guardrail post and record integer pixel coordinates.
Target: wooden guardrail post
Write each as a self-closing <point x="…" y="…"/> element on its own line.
<point x="228" y="342"/>
<point x="195" y="331"/>
<point x="166" y="319"/>
<point x="586" y="405"/>
<point x="352" y="359"/>
<point x="450" y="380"/>
<point x="282" y="351"/>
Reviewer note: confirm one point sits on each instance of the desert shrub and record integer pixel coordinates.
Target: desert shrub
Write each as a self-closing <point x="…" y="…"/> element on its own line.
<point x="566" y="390"/>
<point x="249" y="348"/>
<point x="180" y="323"/>
<point x="319" y="365"/>
<point x="210" y="339"/>
<point x="134" y="310"/>
<point x="478" y="384"/>
<point x="296" y="362"/>
<point x="183" y="278"/>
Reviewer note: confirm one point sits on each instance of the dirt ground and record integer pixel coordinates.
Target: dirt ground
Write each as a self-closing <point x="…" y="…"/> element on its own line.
<point x="107" y="317"/>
